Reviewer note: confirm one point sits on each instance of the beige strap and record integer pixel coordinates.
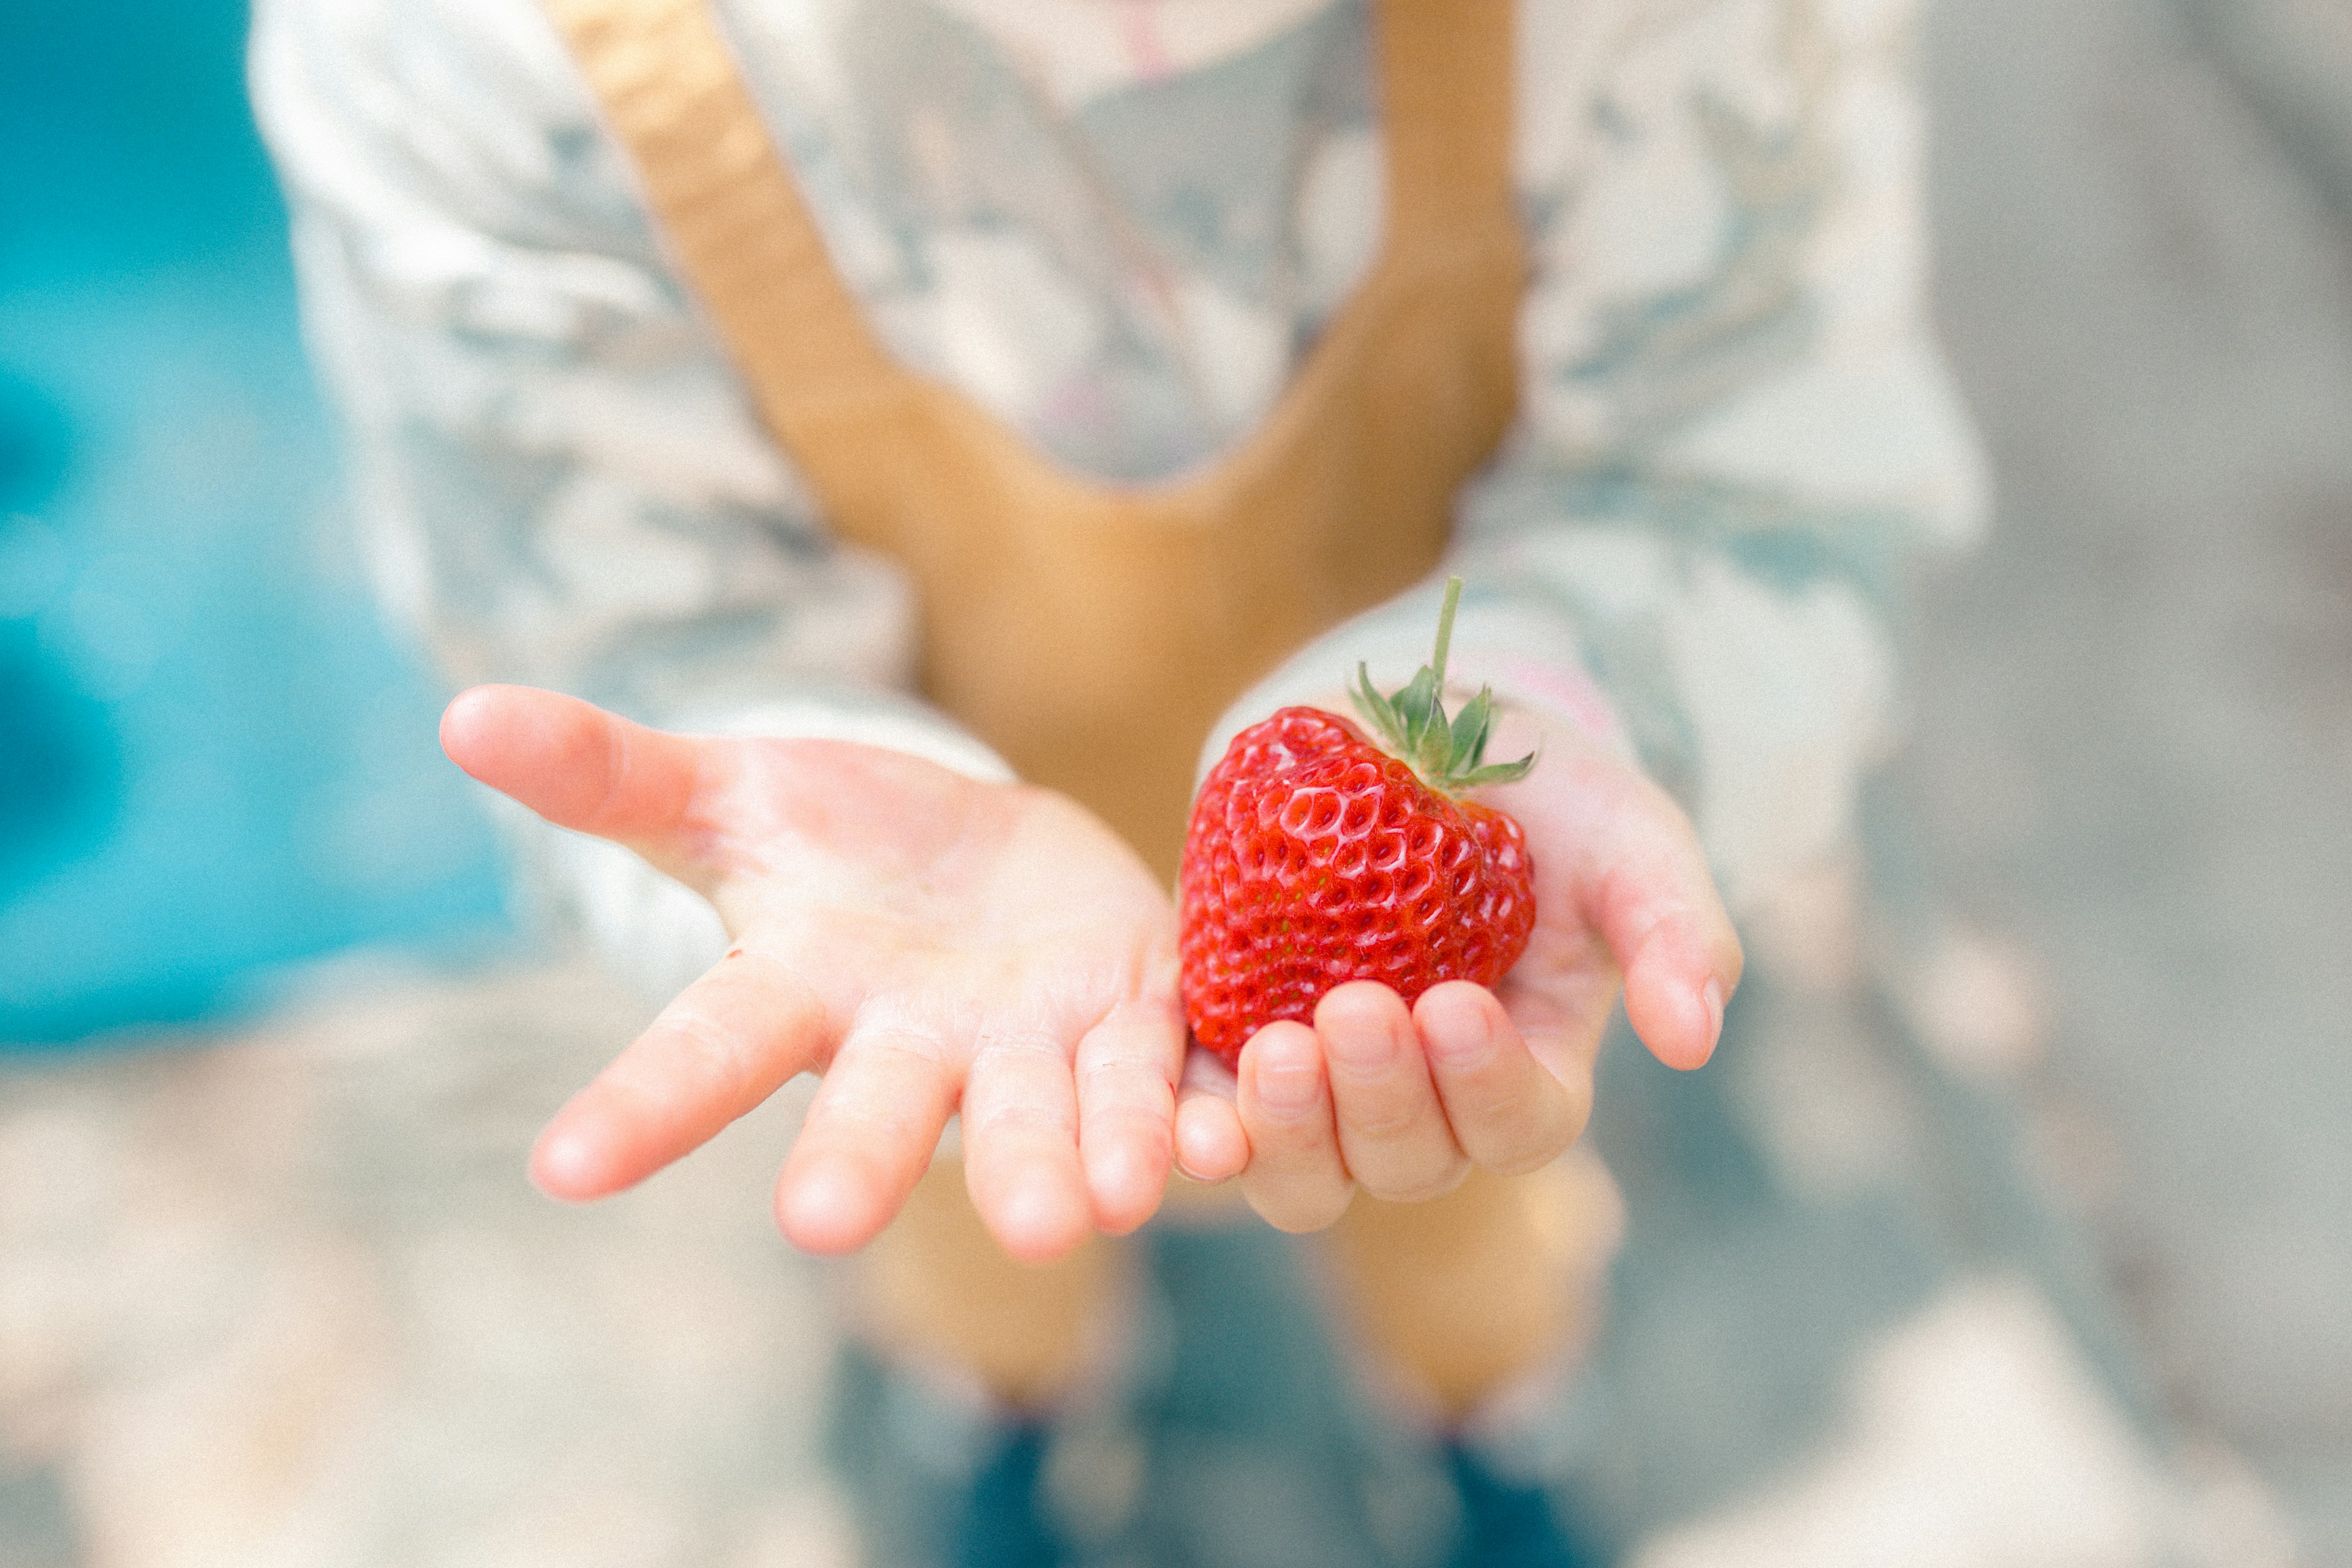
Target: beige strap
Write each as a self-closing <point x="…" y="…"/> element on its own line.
<point x="1446" y="110"/>
<point x="746" y="242"/>
<point x="673" y="95"/>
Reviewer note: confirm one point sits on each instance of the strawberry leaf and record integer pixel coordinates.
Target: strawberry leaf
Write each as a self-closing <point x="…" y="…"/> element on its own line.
<point x="1414" y="705"/>
<point x="1436" y="744"/>
<point x="1498" y="772"/>
<point x="1414" y="726"/>
<point x="1377" y="711"/>
<point x="1470" y="727"/>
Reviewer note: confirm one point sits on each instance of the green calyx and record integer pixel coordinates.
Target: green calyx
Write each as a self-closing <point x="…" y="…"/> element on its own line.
<point x="1448" y="754"/>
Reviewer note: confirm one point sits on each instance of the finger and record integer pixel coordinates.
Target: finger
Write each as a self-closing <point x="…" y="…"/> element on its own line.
<point x="728" y="1042"/>
<point x="1393" y="1132"/>
<point x="575" y="764"/>
<point x="1681" y="963"/>
<point x="1653" y="899"/>
<point x="1127" y="1067"/>
<point x="1508" y="1113"/>
<point x="1296" y="1180"/>
<point x="1021" y="1146"/>
<point x="1210" y="1143"/>
<point x="869" y="1137"/>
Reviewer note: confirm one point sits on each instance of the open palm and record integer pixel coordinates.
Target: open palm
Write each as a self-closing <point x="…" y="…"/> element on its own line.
<point x="929" y="943"/>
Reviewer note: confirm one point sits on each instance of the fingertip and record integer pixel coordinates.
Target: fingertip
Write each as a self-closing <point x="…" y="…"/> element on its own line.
<point x="1126" y="1183"/>
<point x="466" y="725"/>
<point x="512" y="737"/>
<point x="571" y="1167"/>
<point x="1677" y="1016"/>
<point x="1460" y="1023"/>
<point x="1359" y="1002"/>
<point x="1038" y="1222"/>
<point x="1211" y="1145"/>
<point x="826" y="1209"/>
<point x="1282" y="1066"/>
<point x="1455" y="997"/>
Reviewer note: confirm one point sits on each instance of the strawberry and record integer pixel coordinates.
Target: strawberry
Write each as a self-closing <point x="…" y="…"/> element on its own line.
<point x="1317" y="857"/>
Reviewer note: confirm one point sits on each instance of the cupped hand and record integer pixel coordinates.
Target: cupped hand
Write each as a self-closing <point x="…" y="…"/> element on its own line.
<point x="1404" y="1101"/>
<point x="929" y="943"/>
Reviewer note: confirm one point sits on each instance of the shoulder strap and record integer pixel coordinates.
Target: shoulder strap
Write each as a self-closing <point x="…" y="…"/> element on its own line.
<point x="1447" y="97"/>
<point x="672" y="93"/>
<point x="674" y="96"/>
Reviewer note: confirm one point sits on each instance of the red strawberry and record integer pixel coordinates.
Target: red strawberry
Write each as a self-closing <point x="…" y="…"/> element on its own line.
<point x="1316" y="856"/>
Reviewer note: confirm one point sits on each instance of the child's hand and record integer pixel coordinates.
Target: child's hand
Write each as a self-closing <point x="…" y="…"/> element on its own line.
<point x="1404" y="1102"/>
<point x="928" y="944"/>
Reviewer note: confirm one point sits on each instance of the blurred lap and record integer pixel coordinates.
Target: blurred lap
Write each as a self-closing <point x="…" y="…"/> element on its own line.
<point x="1449" y="1301"/>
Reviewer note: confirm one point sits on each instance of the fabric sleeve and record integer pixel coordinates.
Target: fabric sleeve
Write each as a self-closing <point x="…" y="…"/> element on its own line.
<point x="556" y="476"/>
<point x="1737" y="439"/>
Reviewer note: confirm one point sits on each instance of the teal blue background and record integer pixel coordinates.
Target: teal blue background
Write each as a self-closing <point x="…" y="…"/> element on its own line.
<point x="213" y="760"/>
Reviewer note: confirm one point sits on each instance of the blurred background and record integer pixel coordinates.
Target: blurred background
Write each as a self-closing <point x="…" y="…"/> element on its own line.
<point x="211" y="765"/>
<point x="271" y="1289"/>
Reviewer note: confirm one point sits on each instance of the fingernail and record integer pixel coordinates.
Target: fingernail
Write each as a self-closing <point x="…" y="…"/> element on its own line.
<point x="1287" y="1089"/>
<point x="1359" y="1045"/>
<point x="1712" y="999"/>
<point x="1464" y="1038"/>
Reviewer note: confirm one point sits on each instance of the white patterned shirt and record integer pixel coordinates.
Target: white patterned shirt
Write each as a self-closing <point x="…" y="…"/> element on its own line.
<point x="1118" y="225"/>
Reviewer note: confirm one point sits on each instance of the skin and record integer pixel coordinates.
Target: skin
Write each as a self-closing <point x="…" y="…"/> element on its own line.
<point x="931" y="944"/>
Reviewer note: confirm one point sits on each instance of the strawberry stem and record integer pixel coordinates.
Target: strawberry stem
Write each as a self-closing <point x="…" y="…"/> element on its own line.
<point x="1445" y="632"/>
<point x="1412" y="724"/>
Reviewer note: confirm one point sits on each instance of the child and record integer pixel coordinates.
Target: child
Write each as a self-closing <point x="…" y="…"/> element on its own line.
<point x="945" y="418"/>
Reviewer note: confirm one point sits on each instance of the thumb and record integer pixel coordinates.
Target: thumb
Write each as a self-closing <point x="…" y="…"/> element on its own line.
<point x="1655" y="901"/>
<point x="577" y="766"/>
<point x="1630" y="864"/>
